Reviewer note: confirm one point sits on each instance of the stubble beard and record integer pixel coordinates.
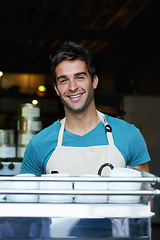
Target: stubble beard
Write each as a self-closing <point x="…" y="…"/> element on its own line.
<point x="83" y="107"/>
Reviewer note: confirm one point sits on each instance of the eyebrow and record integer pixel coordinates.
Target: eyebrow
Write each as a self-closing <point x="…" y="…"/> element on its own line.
<point x="80" y="73"/>
<point x="76" y="74"/>
<point x="62" y="76"/>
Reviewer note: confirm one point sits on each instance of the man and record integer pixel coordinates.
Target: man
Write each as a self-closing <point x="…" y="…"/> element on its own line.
<point x="85" y="139"/>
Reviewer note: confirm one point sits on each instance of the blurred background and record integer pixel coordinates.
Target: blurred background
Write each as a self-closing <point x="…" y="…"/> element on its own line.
<point x="124" y="39"/>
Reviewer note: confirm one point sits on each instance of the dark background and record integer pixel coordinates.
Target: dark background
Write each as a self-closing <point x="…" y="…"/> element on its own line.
<point x="122" y="35"/>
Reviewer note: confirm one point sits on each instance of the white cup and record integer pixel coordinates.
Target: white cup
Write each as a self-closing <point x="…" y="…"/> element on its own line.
<point x="22" y="185"/>
<point x="55" y="185"/>
<point x="126" y="186"/>
<point x="91" y="186"/>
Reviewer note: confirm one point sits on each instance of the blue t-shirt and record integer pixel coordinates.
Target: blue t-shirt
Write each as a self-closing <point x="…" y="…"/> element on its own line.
<point x="127" y="138"/>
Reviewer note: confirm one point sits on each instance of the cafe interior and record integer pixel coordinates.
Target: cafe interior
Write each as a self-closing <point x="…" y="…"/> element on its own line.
<point x="124" y="40"/>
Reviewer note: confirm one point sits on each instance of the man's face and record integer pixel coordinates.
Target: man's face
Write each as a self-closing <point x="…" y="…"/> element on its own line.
<point x="74" y="85"/>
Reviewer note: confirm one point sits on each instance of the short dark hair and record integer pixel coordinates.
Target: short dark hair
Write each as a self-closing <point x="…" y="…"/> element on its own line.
<point x="72" y="51"/>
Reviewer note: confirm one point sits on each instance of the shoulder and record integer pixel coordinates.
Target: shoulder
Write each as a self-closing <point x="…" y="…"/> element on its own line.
<point x="45" y="141"/>
<point x="120" y="125"/>
<point x="47" y="134"/>
<point x="129" y="141"/>
<point x="39" y="149"/>
<point x="123" y="131"/>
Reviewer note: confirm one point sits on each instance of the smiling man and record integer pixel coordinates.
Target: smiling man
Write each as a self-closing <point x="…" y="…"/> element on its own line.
<point x="74" y="86"/>
<point x="85" y="139"/>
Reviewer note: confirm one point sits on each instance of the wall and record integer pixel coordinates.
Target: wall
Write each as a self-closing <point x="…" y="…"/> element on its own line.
<point x="144" y="112"/>
<point x="27" y="83"/>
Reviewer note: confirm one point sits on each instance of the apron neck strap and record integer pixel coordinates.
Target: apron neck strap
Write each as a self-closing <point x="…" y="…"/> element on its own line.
<point x="108" y="129"/>
<point x="61" y="131"/>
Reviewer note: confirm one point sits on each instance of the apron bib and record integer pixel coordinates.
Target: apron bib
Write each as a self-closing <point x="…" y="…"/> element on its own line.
<point x="85" y="160"/>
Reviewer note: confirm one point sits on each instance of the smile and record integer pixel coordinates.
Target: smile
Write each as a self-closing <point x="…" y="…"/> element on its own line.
<point x="75" y="96"/>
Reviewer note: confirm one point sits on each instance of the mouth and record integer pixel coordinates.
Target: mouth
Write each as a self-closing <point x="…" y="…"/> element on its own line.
<point x="75" y="96"/>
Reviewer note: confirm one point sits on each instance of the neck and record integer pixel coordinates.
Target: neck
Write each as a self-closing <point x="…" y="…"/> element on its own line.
<point x="82" y="123"/>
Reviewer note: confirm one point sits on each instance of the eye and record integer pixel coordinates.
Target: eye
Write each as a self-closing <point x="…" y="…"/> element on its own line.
<point x="62" y="81"/>
<point x="80" y="77"/>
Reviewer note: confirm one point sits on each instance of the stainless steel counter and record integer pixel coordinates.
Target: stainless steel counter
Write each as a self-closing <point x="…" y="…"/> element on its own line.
<point x="74" y="217"/>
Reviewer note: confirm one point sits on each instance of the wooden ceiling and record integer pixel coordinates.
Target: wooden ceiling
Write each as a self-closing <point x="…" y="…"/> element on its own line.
<point x="32" y="29"/>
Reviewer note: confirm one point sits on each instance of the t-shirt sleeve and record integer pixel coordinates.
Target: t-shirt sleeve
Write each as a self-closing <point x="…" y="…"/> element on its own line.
<point x="31" y="162"/>
<point x="138" y="149"/>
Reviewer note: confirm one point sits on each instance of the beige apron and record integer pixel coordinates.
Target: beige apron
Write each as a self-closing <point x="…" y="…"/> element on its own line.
<point x="84" y="160"/>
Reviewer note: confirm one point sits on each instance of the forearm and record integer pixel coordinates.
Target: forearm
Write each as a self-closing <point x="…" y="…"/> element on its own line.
<point x="143" y="167"/>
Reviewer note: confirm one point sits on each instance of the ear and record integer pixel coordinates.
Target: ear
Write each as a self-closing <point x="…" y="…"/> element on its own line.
<point x="95" y="82"/>
<point x="55" y="87"/>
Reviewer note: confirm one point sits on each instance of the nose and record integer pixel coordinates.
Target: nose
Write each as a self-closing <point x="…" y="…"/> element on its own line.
<point x="73" y="85"/>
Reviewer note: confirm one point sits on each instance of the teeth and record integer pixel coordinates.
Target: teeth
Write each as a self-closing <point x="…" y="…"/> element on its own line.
<point x="75" y="96"/>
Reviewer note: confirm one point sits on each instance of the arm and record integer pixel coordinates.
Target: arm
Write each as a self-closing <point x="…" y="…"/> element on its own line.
<point x="31" y="162"/>
<point x="139" y="156"/>
<point x="143" y="167"/>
